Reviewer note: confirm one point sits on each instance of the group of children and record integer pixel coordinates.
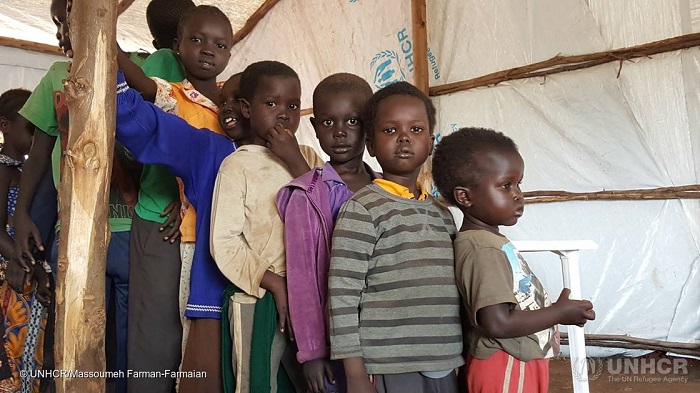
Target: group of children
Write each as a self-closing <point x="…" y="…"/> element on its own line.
<point x="291" y="274"/>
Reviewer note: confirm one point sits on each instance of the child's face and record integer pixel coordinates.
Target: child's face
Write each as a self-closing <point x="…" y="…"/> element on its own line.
<point x="402" y="138"/>
<point x="497" y="199"/>
<point x="204" y="47"/>
<point x="337" y="125"/>
<point x="230" y="110"/>
<point x="18" y="133"/>
<point x="59" y="18"/>
<point x="276" y="101"/>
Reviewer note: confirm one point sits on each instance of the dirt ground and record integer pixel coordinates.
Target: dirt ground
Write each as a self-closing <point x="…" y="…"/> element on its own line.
<point x="653" y="373"/>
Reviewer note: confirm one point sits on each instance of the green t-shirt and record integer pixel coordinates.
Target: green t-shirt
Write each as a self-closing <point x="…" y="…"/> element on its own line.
<point x="158" y="187"/>
<point x="47" y="109"/>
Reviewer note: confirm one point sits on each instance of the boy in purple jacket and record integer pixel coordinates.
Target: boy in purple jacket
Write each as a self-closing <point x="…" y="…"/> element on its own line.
<point x="310" y="204"/>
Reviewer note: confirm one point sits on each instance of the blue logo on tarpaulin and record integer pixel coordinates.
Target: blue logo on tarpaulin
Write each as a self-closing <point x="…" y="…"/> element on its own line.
<point x="386" y="68"/>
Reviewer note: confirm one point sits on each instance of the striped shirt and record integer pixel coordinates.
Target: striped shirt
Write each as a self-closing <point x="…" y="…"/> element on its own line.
<point x="393" y="296"/>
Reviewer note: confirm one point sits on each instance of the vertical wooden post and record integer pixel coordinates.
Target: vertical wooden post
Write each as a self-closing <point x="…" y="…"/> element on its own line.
<point x="420" y="44"/>
<point x="419" y="16"/>
<point x="84" y="195"/>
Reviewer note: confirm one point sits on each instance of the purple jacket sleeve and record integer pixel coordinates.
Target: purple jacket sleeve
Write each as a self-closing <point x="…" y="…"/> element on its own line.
<point x="306" y="294"/>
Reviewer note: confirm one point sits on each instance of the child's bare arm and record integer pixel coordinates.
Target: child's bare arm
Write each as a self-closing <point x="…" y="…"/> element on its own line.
<point x="277" y="285"/>
<point x="136" y="78"/>
<point x="503" y="321"/>
<point x="34" y="168"/>
<point x="356" y="375"/>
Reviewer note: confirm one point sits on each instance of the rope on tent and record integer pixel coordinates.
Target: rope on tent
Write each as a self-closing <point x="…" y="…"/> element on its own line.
<point x="253" y="20"/>
<point x="629" y="342"/>
<point x="561" y="63"/>
<point x="678" y="192"/>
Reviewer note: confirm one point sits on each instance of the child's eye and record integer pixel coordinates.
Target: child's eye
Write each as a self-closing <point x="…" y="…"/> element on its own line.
<point x="389" y="130"/>
<point x="327" y="123"/>
<point x="293" y="107"/>
<point x="506" y="186"/>
<point x="222" y="46"/>
<point x="416" y="129"/>
<point x="195" y="39"/>
<point x="353" y="122"/>
<point x="271" y="104"/>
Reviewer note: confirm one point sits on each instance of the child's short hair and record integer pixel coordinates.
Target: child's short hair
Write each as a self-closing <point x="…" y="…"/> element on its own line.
<point x="456" y="157"/>
<point x="398" y="88"/>
<point x="205" y="10"/>
<point x="341" y="82"/>
<point x="12" y="101"/>
<point x="250" y="79"/>
<point x="163" y="18"/>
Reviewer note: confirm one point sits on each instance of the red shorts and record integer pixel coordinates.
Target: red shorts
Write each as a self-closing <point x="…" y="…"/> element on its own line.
<point x="504" y="373"/>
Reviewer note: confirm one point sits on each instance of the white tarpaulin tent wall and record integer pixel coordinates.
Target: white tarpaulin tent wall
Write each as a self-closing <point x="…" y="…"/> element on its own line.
<point x="580" y="131"/>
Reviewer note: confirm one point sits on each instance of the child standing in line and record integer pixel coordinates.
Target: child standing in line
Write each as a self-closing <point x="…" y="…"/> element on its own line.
<point x="513" y="336"/>
<point x="24" y="315"/>
<point x="155" y="337"/>
<point x="247" y="239"/>
<point x="394" y="305"/>
<point x="203" y="46"/>
<point x="155" y="137"/>
<point x="309" y="206"/>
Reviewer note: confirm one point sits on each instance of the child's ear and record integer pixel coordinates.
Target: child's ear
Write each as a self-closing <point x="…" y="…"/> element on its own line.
<point x="176" y="46"/>
<point x="4" y="123"/>
<point x="313" y="125"/>
<point x="462" y="196"/>
<point x="432" y="144"/>
<point x="369" y="143"/>
<point x="245" y="108"/>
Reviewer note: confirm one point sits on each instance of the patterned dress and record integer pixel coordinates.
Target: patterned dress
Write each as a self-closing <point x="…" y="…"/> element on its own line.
<point x="24" y="320"/>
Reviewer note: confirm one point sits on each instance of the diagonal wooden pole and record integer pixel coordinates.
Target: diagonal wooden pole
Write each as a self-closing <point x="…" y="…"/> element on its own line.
<point x="84" y="195"/>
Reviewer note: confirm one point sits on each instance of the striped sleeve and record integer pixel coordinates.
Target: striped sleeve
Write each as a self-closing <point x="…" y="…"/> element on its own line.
<point x="354" y="238"/>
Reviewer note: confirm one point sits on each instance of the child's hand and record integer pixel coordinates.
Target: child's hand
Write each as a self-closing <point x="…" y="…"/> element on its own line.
<point x="573" y="312"/>
<point x="26" y="234"/>
<point x="316" y="373"/>
<point x="16" y="275"/>
<point x="283" y="143"/>
<point x="43" y="287"/>
<point x="277" y="285"/>
<point x="171" y="226"/>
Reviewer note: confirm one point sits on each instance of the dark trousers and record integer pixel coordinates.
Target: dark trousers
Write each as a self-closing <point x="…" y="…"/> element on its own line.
<point x="155" y="330"/>
<point x="117" y="301"/>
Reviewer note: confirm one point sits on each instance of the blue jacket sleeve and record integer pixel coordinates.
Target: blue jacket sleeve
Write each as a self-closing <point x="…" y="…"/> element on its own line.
<point x="156" y="137"/>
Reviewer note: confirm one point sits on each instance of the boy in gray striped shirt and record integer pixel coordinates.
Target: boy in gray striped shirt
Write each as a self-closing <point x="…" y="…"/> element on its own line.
<point x="394" y="317"/>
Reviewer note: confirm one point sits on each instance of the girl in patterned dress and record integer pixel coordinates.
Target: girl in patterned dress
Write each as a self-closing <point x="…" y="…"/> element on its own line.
<point x="23" y="295"/>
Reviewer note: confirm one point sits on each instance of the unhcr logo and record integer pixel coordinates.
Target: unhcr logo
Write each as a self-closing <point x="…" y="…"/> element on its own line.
<point x="386" y="69"/>
<point x="389" y="66"/>
<point x="645" y="370"/>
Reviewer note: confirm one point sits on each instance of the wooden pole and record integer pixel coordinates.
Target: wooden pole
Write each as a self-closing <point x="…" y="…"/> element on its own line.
<point x="560" y="63"/>
<point x="420" y="74"/>
<point x="420" y="45"/>
<point x="253" y="20"/>
<point x="30" y="45"/>
<point x="84" y="195"/>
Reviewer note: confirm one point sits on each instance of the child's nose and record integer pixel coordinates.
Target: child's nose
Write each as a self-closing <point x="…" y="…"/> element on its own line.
<point x="339" y="132"/>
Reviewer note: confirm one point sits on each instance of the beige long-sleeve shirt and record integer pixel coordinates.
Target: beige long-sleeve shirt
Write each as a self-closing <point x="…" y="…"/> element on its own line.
<point x="247" y="234"/>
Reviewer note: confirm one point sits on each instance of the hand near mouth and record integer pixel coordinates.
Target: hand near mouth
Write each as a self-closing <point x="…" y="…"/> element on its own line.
<point x="284" y="145"/>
